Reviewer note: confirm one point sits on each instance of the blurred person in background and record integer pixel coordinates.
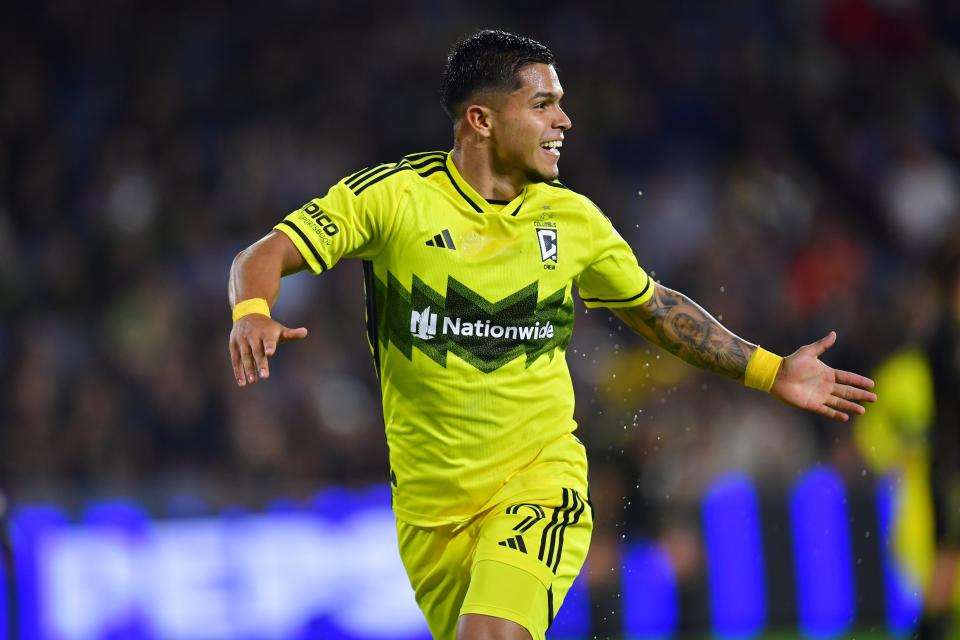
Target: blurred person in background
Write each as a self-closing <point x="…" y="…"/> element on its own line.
<point x="913" y="437"/>
<point x="471" y="257"/>
<point x="943" y="352"/>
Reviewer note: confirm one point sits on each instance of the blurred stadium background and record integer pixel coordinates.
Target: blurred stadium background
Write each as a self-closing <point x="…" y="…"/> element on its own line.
<point x="798" y="162"/>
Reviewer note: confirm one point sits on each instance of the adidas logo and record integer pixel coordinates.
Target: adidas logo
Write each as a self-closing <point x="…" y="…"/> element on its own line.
<point x="442" y="240"/>
<point x="516" y="542"/>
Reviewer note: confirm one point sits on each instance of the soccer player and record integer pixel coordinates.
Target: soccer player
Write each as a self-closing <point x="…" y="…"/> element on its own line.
<point x="470" y="259"/>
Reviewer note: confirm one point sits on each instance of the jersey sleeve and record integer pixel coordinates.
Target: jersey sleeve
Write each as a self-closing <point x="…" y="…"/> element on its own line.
<point x="348" y="222"/>
<point x="614" y="278"/>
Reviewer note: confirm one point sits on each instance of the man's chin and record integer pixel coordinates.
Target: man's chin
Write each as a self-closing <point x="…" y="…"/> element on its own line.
<point x="538" y="175"/>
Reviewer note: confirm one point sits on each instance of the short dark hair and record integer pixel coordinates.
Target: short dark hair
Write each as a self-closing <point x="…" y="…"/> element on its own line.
<point x="487" y="59"/>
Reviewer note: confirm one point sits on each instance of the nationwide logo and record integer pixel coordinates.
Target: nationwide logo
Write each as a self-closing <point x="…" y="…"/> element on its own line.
<point x="485" y="334"/>
<point x="423" y="325"/>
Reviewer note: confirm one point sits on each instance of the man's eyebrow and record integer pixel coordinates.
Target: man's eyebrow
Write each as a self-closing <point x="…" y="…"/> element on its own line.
<point x="544" y="94"/>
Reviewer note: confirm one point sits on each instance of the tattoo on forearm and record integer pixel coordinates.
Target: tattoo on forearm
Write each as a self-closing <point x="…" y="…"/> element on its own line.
<point x="684" y="329"/>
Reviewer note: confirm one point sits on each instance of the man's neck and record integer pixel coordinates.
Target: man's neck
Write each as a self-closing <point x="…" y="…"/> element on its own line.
<point x="476" y="167"/>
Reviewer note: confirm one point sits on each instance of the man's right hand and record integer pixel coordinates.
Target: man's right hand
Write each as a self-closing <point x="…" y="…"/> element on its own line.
<point x="254" y="338"/>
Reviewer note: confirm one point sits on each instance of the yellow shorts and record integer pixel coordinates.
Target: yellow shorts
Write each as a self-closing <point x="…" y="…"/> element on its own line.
<point x="515" y="561"/>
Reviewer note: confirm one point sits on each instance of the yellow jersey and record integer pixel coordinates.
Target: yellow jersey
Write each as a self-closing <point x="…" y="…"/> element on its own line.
<point x="469" y="313"/>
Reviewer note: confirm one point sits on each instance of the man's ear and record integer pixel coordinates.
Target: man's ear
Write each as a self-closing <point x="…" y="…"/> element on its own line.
<point x="479" y="118"/>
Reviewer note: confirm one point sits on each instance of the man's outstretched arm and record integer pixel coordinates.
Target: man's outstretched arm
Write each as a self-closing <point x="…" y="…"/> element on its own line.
<point x="253" y="288"/>
<point x="679" y="325"/>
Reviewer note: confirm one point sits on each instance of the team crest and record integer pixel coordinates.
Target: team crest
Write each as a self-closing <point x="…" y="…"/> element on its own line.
<point x="547" y="239"/>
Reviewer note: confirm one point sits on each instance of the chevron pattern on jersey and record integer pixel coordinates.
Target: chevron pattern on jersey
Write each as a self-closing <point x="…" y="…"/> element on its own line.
<point x="485" y="334"/>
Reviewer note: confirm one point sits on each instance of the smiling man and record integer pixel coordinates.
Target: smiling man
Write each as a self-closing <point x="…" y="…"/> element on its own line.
<point x="470" y="260"/>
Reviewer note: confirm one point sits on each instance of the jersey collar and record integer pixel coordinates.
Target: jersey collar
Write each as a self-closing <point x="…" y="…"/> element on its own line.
<point x="474" y="199"/>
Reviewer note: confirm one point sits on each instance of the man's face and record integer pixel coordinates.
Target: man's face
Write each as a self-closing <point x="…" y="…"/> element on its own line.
<point x="529" y="125"/>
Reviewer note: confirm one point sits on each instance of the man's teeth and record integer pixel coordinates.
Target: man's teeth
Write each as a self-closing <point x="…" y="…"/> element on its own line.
<point x="553" y="144"/>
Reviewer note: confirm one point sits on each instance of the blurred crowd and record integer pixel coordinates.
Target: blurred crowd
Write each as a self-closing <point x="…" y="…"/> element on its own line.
<point x="790" y="165"/>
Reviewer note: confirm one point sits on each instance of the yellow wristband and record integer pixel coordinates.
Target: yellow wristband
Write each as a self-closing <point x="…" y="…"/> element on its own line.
<point x="762" y="369"/>
<point x="251" y="305"/>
